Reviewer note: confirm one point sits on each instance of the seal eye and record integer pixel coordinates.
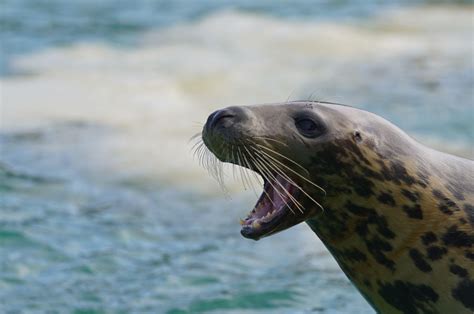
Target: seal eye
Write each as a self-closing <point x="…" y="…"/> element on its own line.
<point x="308" y="127"/>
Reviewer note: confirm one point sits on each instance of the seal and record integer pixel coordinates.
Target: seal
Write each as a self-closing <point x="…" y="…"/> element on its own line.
<point x="397" y="216"/>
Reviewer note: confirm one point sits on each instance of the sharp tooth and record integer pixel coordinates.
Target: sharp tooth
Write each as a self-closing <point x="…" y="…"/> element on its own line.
<point x="241" y="221"/>
<point x="255" y="225"/>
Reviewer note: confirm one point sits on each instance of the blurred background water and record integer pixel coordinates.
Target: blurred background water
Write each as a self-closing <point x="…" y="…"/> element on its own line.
<point x="103" y="209"/>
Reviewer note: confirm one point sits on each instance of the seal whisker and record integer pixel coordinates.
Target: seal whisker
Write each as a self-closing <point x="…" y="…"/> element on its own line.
<point x="265" y="177"/>
<point x="233" y="160"/>
<point x="245" y="181"/>
<point x="294" y="172"/>
<point x="240" y="163"/>
<point x="283" y="156"/>
<point x="288" y="179"/>
<point x="269" y="180"/>
<point x="265" y="174"/>
<point x="294" y="201"/>
<point x="209" y="162"/>
<point x="262" y="162"/>
<point x="269" y="139"/>
<point x="249" y="166"/>
<point x="296" y="185"/>
<point x="196" y="136"/>
<point x="197" y="148"/>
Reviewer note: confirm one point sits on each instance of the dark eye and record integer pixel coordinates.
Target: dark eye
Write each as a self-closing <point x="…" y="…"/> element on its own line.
<point x="308" y="127"/>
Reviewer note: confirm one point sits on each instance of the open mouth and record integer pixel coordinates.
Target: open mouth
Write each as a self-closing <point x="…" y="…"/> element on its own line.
<point x="286" y="198"/>
<point x="278" y="208"/>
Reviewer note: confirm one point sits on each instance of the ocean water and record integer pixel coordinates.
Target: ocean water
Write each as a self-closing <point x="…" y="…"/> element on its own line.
<point x="103" y="208"/>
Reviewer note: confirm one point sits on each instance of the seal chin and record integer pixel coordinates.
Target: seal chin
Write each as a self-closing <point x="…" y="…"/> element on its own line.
<point x="275" y="210"/>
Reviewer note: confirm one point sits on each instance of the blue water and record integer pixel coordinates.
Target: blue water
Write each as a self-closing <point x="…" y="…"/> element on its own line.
<point x="103" y="209"/>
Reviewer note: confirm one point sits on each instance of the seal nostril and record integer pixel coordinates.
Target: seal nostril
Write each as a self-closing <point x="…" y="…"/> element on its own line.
<point x="219" y="117"/>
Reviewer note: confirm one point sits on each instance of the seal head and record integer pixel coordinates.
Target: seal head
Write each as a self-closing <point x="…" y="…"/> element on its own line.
<point x="237" y="135"/>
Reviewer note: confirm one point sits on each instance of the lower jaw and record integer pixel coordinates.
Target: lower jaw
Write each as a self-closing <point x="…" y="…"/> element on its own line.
<point x="263" y="229"/>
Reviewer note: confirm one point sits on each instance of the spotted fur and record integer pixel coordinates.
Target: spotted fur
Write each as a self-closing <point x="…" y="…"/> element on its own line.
<point x="408" y="210"/>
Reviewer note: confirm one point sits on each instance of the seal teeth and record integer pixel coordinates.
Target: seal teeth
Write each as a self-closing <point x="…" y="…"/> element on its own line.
<point x="241" y="221"/>
<point x="256" y="224"/>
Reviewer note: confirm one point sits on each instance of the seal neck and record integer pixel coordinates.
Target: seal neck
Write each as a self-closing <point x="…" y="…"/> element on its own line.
<point x="371" y="240"/>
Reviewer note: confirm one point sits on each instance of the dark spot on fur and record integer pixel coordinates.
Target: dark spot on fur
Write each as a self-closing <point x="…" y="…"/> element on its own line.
<point x="413" y="211"/>
<point x="359" y="210"/>
<point x="412" y="196"/>
<point x="396" y="172"/>
<point x="438" y="194"/>
<point x="445" y="209"/>
<point x="408" y="297"/>
<point x="469" y="255"/>
<point x="386" y="199"/>
<point x="371" y="217"/>
<point x="423" y="179"/>
<point x="435" y="252"/>
<point x="377" y="247"/>
<point x="354" y="255"/>
<point x="447" y="206"/>
<point x="399" y="172"/>
<point x="368" y="172"/>
<point x="356" y="150"/>
<point x="458" y="270"/>
<point x="367" y="283"/>
<point x="384" y="170"/>
<point x="469" y="209"/>
<point x="382" y="226"/>
<point x="362" y="229"/>
<point x="428" y="238"/>
<point x="362" y="186"/>
<point x="419" y="261"/>
<point x="464" y="293"/>
<point x="457" y="238"/>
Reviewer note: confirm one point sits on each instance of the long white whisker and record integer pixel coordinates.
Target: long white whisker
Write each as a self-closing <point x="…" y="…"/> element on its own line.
<point x="241" y="168"/>
<point x="293" y="171"/>
<point x="283" y="156"/>
<point x="279" y="171"/>
<point x="249" y="167"/>
<point x="295" y="201"/>
<point x="270" y="139"/>
<point x="265" y="176"/>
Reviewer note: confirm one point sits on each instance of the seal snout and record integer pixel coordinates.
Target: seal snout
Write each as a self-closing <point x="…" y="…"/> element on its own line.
<point x="224" y="118"/>
<point x="225" y="127"/>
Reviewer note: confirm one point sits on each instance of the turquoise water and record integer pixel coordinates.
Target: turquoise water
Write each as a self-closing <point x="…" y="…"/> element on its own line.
<point x="102" y="207"/>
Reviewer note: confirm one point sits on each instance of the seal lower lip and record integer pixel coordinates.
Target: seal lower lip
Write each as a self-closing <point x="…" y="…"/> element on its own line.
<point x="271" y="207"/>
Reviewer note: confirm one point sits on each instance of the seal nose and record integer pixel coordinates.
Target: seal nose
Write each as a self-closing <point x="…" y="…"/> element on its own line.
<point x="224" y="118"/>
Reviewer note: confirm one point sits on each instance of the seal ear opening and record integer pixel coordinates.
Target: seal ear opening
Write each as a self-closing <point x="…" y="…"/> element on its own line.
<point x="357" y="136"/>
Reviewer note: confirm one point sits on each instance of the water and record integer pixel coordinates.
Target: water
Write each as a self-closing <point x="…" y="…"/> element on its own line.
<point x="103" y="209"/>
